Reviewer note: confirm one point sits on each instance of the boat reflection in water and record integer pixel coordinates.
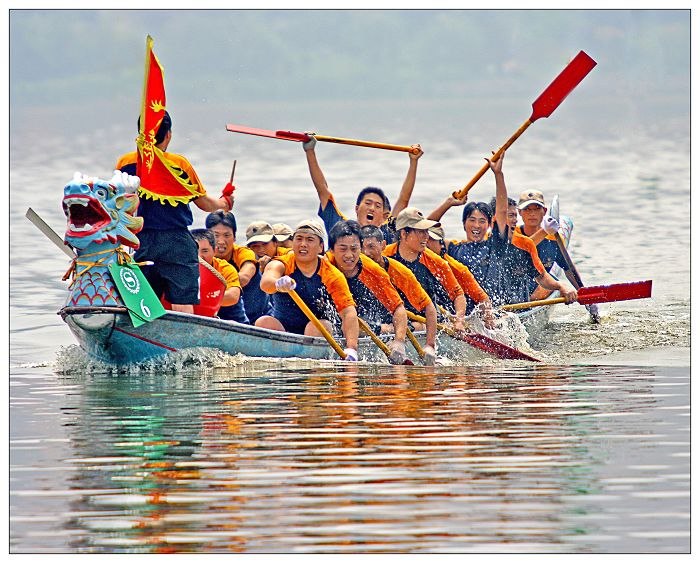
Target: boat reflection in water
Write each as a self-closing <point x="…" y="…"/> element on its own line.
<point x="260" y="456"/>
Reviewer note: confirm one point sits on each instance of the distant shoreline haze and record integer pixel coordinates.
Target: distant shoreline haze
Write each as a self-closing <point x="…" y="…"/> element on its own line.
<point x="217" y="56"/>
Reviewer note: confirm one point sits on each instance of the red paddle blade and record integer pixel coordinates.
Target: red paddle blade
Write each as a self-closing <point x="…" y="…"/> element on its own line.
<point x="495" y="348"/>
<point x="562" y="85"/>
<point x="284" y="135"/>
<point x="615" y="292"/>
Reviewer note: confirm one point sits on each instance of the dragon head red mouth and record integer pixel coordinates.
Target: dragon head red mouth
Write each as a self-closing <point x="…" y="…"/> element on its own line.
<point x="85" y="215"/>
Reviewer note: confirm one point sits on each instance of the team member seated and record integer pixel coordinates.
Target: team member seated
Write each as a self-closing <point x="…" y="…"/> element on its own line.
<point x="476" y="296"/>
<point x="255" y="302"/>
<point x="414" y="297"/>
<point x="372" y="206"/>
<point x="283" y="234"/>
<point x="432" y="272"/>
<point x="318" y="283"/>
<point x="376" y="299"/>
<point x="541" y="228"/>
<point x="261" y="239"/>
<point x="503" y="264"/>
<point x="205" y="240"/>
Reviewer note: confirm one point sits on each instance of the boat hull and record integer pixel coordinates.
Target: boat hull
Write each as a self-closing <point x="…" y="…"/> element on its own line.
<point x="107" y="334"/>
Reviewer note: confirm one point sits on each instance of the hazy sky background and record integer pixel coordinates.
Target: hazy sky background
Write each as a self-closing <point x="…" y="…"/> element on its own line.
<point x="66" y="56"/>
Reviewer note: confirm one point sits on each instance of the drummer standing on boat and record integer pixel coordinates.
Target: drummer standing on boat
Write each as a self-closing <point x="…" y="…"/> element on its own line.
<point x="164" y="205"/>
<point x="318" y="283"/>
<point x="372" y="206"/>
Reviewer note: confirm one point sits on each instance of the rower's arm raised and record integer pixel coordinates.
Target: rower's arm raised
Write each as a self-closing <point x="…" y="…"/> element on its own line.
<point x="317" y="177"/>
<point x="409" y="183"/>
<point x="437" y="213"/>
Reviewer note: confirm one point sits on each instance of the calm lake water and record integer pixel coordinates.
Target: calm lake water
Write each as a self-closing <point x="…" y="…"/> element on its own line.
<point x="588" y="452"/>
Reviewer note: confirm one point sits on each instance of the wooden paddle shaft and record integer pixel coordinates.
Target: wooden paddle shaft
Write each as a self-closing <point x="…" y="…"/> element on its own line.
<point x="318" y="324"/>
<point x="370" y="144"/>
<point x="414" y="341"/>
<point x="233" y="171"/>
<point x="369" y="332"/>
<point x="528" y="304"/>
<point x="52" y="235"/>
<point x="461" y="193"/>
<point x="420" y="319"/>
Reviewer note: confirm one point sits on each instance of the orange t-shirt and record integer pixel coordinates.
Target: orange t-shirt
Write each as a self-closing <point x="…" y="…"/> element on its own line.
<point x="332" y="279"/>
<point x="377" y="280"/>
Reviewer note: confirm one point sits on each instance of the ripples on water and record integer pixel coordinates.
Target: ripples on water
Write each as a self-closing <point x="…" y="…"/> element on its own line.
<point x="213" y="453"/>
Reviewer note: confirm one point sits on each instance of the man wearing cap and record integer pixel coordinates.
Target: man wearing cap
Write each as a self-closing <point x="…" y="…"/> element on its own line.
<point x="476" y="296"/>
<point x="432" y="272"/>
<point x="503" y="264"/>
<point x="372" y="206"/>
<point x="414" y="297"/>
<point x="262" y="240"/>
<point x="283" y="234"/>
<point x="254" y="302"/>
<point x="318" y="283"/>
<point x="376" y="299"/>
<point x="541" y="228"/>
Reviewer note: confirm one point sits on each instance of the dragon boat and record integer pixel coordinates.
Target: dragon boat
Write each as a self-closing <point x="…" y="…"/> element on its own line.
<point x="101" y="223"/>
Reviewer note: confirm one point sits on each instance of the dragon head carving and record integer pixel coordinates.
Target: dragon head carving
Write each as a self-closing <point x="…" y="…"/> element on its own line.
<point x="99" y="211"/>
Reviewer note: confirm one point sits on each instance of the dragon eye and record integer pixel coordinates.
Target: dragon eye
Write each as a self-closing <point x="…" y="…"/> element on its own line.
<point x="101" y="193"/>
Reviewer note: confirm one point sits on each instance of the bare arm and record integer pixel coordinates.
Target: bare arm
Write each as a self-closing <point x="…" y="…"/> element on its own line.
<point x="409" y="183"/>
<point x="247" y="271"/>
<point x="437" y="213"/>
<point x="350" y="326"/>
<point x="273" y="272"/>
<point x="430" y="325"/>
<point x="460" y="303"/>
<point x="400" y="323"/>
<point x="231" y="296"/>
<point x="317" y="177"/>
<point x="501" y="214"/>
<point x="548" y="282"/>
<point x="209" y="203"/>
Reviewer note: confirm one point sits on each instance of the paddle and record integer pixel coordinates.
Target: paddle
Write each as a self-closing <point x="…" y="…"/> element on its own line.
<point x="233" y="171"/>
<point x="303" y="137"/>
<point x="49" y="232"/>
<point x="383" y="347"/>
<point x="480" y="341"/>
<point x="575" y="277"/>
<point x="543" y="106"/>
<point x="318" y="324"/>
<point x="594" y="294"/>
<point x="414" y="341"/>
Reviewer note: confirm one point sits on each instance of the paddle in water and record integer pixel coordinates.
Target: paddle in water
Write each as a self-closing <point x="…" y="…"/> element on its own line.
<point x="594" y="294"/>
<point x="543" y="106"/>
<point x="573" y="276"/>
<point x="480" y="341"/>
<point x="317" y="323"/>
<point x="378" y="341"/>
<point x="303" y="137"/>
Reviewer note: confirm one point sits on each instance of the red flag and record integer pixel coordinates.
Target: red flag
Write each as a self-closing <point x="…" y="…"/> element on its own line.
<point x="160" y="178"/>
